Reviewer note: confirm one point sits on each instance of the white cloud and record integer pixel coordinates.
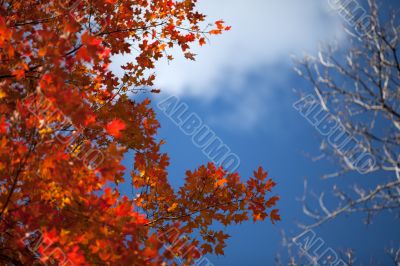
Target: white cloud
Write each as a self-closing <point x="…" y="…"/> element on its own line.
<point x="264" y="32"/>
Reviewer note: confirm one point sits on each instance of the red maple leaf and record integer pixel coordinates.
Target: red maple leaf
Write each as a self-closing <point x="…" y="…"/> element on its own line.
<point x="3" y="125"/>
<point x="274" y="215"/>
<point x="115" y="127"/>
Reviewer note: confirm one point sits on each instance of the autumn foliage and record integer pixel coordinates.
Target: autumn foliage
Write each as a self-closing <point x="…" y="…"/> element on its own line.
<point x="66" y="121"/>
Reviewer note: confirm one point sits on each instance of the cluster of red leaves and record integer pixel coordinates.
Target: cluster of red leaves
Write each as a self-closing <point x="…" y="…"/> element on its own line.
<point x="60" y="51"/>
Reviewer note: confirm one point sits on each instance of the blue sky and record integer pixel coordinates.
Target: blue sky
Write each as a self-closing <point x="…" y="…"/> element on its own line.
<point x="243" y="86"/>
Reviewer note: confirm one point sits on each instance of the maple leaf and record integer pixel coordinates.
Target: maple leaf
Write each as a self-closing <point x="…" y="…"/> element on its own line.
<point x="215" y="32"/>
<point x="207" y="248"/>
<point x="202" y="41"/>
<point x="173" y="207"/>
<point x="90" y="40"/>
<point x="219" y="249"/>
<point x="260" y="174"/>
<point x="221" y="182"/>
<point x="3" y="125"/>
<point x="220" y="24"/>
<point x="274" y="216"/>
<point x="84" y="54"/>
<point x="190" y="56"/>
<point x="269" y="185"/>
<point x="90" y="119"/>
<point x="190" y="37"/>
<point x="19" y="74"/>
<point x="272" y="201"/>
<point x="115" y="127"/>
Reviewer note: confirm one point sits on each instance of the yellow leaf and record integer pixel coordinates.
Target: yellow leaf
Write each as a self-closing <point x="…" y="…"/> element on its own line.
<point x="2" y="94"/>
<point x="173" y="207"/>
